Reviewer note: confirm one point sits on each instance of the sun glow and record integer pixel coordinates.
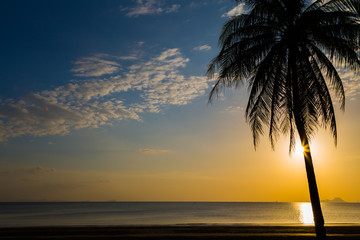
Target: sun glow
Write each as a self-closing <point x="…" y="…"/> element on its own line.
<point x="299" y="151"/>
<point x="306" y="214"/>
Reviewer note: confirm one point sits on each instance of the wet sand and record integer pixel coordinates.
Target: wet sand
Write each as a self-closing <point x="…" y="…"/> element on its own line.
<point x="179" y="232"/>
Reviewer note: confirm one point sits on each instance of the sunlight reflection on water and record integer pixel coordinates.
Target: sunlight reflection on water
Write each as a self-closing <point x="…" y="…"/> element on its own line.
<point x="150" y="213"/>
<point x="306" y="214"/>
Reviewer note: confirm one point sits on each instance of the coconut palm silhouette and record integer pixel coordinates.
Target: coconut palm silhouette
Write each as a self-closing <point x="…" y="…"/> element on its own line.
<point x="286" y="51"/>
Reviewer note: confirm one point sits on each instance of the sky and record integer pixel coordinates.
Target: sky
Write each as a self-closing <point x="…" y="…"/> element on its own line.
<point x="107" y="101"/>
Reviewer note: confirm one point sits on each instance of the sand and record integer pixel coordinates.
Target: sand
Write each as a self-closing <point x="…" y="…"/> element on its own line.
<point x="178" y="232"/>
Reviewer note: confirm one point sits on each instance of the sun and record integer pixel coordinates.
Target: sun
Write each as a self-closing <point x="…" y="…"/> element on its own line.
<point x="299" y="150"/>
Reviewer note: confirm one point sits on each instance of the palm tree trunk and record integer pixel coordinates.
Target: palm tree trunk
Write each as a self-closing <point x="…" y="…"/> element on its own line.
<point x="299" y="122"/>
<point x="314" y="194"/>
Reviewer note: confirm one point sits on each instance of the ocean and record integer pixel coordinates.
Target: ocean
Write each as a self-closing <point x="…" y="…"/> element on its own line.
<point x="171" y="213"/>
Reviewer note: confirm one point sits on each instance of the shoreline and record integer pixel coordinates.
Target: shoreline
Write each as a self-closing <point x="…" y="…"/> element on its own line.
<point x="179" y="232"/>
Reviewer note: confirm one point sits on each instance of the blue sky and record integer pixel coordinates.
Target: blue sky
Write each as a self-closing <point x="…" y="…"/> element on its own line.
<point x="58" y="53"/>
<point x="110" y="97"/>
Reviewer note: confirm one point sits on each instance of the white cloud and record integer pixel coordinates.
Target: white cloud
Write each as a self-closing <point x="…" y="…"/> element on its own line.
<point x="162" y="84"/>
<point x="239" y="9"/>
<point x="203" y="48"/>
<point x="59" y="111"/>
<point x="150" y="7"/>
<point x="91" y="103"/>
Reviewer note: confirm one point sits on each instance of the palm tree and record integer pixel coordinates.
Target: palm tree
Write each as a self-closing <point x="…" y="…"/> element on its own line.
<point x="286" y="51"/>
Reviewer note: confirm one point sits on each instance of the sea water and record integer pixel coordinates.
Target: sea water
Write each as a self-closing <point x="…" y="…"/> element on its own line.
<point x="170" y="213"/>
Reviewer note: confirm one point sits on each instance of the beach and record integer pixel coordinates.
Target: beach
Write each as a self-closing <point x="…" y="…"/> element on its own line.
<point x="178" y="232"/>
<point x="174" y="220"/>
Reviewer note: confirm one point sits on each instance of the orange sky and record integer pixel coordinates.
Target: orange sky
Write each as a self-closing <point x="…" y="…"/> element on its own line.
<point x="209" y="158"/>
<point x="108" y="101"/>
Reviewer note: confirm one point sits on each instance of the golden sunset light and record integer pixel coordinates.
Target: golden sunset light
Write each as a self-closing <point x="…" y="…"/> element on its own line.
<point x="179" y="119"/>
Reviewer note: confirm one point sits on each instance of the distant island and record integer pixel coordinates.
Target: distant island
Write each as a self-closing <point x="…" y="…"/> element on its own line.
<point x="335" y="200"/>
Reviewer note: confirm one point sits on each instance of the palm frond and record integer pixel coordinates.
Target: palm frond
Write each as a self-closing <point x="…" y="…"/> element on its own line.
<point x="286" y="51"/>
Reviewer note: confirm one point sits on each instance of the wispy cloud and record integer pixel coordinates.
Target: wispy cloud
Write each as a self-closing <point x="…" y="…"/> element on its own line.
<point x="205" y="48"/>
<point x="239" y="9"/>
<point x="233" y="109"/>
<point x="129" y="57"/>
<point x="173" y="8"/>
<point x="162" y="84"/>
<point x="196" y="4"/>
<point x="150" y="7"/>
<point x="57" y="112"/>
<point x="351" y="82"/>
<point x="95" y="66"/>
<point x="91" y="103"/>
<point x="153" y="151"/>
<point x="32" y="171"/>
<point x="39" y="170"/>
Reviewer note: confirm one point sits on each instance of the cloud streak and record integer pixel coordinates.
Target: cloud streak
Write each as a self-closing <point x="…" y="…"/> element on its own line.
<point x="95" y="66"/>
<point x="150" y="7"/>
<point x="94" y="102"/>
<point x="38" y="170"/>
<point x="153" y="151"/>
<point x="204" y="48"/>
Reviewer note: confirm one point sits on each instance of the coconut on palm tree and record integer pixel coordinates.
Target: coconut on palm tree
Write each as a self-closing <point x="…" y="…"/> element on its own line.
<point x="287" y="52"/>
